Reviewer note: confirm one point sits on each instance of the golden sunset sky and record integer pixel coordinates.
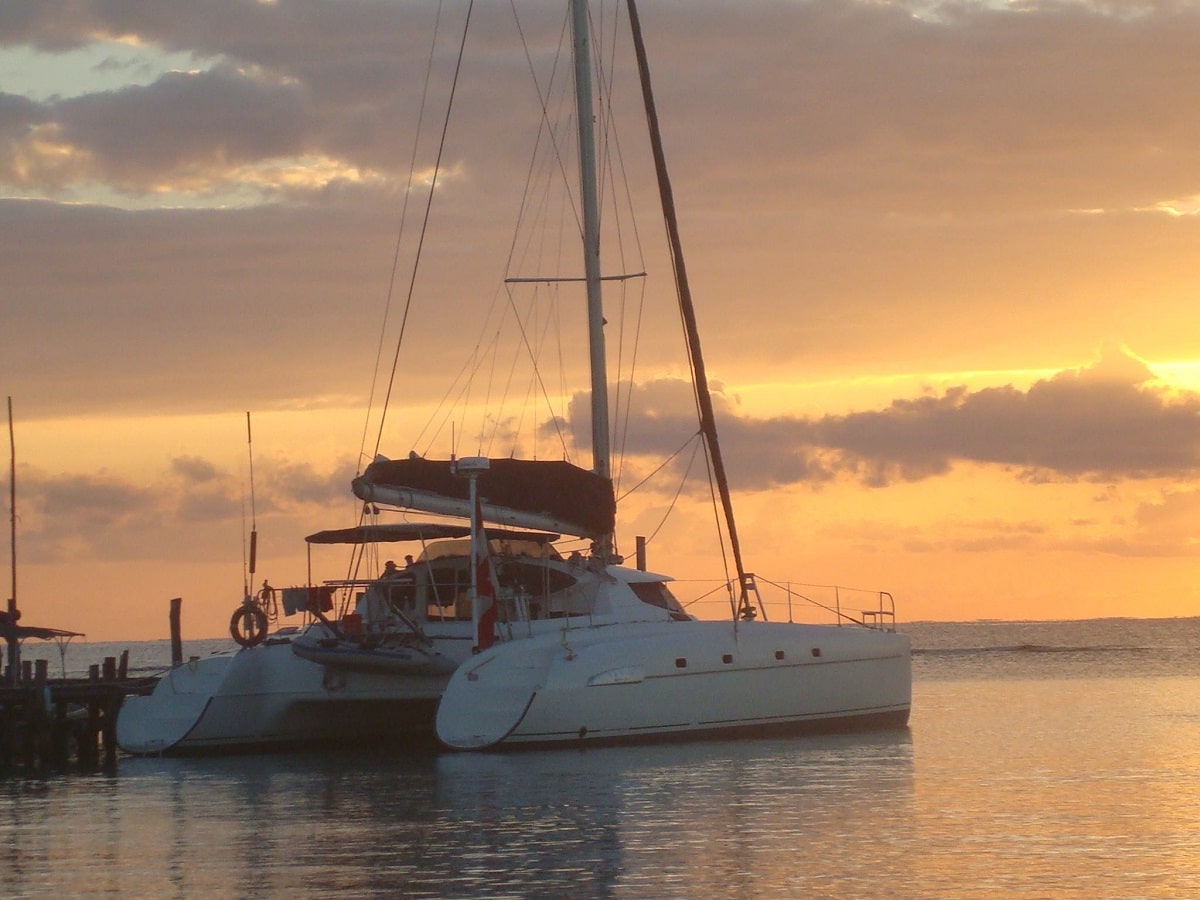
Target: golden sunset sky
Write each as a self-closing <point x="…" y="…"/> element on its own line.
<point x="945" y="259"/>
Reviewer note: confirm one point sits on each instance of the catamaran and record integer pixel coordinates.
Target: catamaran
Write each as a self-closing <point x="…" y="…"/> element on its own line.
<point x="492" y="637"/>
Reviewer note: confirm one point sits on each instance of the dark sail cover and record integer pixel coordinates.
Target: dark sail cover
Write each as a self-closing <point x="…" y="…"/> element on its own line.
<point x="578" y="501"/>
<point x="397" y="532"/>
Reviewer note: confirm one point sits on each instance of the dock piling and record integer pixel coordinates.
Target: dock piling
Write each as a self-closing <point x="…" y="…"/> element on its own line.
<point x="176" y="632"/>
<point x="43" y="719"/>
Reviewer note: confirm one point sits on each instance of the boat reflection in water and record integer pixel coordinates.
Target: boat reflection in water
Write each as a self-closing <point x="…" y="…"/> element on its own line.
<point x="673" y="819"/>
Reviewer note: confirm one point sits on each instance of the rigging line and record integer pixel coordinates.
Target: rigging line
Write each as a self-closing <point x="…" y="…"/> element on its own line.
<point x="708" y="593"/>
<point x="547" y="131"/>
<point x="537" y="369"/>
<point x="679" y="490"/>
<point x="641" y="264"/>
<point x="662" y="465"/>
<point x="508" y="391"/>
<point x="484" y="351"/>
<point x="836" y="611"/>
<point x="528" y="329"/>
<point x="556" y="315"/>
<point x="597" y="30"/>
<point x="245" y="558"/>
<point x="520" y="319"/>
<point x="437" y="168"/>
<point x="529" y="399"/>
<point x="250" y="454"/>
<point x="543" y="103"/>
<point x="437" y="411"/>
<point x="451" y="400"/>
<point x="716" y="510"/>
<point x="637" y="337"/>
<point x="412" y="168"/>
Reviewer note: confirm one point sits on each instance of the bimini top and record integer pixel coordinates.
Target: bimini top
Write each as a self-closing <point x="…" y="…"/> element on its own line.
<point x="419" y="531"/>
<point x="9" y="630"/>
<point x="548" y="495"/>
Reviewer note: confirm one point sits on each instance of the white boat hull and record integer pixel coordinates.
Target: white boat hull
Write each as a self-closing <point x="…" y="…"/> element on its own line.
<point x="268" y="696"/>
<point x="642" y="681"/>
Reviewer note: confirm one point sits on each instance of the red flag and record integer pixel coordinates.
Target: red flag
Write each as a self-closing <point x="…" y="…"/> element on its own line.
<point x="485" y="583"/>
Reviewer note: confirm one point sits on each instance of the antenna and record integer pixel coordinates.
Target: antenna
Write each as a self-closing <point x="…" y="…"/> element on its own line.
<point x="14" y="645"/>
<point x="253" y="516"/>
<point x="12" y="497"/>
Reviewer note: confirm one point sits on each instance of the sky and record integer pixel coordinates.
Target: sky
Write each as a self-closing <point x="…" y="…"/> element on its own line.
<point x="944" y="258"/>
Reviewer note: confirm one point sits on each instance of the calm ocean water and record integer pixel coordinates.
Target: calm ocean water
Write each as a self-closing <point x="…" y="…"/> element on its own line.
<point x="1044" y="759"/>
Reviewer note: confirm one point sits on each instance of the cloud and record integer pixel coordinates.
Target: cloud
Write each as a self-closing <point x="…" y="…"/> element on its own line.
<point x="861" y="185"/>
<point x="193" y="509"/>
<point x="195" y="469"/>
<point x="186" y="130"/>
<point x="282" y="99"/>
<point x="1109" y="420"/>
<point x="1105" y="421"/>
<point x="293" y="484"/>
<point x="1036" y="108"/>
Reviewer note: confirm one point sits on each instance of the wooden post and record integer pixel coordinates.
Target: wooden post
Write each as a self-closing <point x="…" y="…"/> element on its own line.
<point x="123" y="666"/>
<point x="641" y="553"/>
<point x="176" y="639"/>
<point x="112" y="704"/>
<point x="33" y="725"/>
<point x="60" y="734"/>
<point x="89" y="745"/>
<point x="8" y="737"/>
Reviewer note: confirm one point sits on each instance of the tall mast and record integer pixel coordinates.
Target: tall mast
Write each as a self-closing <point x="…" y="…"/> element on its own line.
<point x="708" y="419"/>
<point x="14" y="646"/>
<point x="601" y="462"/>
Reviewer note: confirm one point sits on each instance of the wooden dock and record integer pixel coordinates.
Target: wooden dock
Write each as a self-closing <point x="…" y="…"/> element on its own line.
<point x="62" y="724"/>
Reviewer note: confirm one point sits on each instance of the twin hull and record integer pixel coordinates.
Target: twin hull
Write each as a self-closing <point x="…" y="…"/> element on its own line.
<point x="657" y="680"/>
<point x="606" y="683"/>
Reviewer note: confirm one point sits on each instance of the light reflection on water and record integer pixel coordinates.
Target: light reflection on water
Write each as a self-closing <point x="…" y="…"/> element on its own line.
<point x="1024" y="774"/>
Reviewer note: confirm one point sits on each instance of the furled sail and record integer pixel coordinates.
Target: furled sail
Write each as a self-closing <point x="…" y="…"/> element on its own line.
<point x="548" y="495"/>
<point x="397" y="532"/>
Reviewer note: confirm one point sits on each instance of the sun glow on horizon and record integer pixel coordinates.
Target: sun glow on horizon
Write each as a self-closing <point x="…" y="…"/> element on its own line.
<point x="857" y="393"/>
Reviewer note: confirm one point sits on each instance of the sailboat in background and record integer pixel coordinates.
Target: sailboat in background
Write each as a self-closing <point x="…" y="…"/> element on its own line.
<point x="503" y="638"/>
<point x="11" y="630"/>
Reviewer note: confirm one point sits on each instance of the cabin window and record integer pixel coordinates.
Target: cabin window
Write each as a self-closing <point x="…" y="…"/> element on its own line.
<point x="402" y="594"/>
<point x="530" y="578"/>
<point x="656" y="593"/>
<point x="446" y="585"/>
<point x="450" y="591"/>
